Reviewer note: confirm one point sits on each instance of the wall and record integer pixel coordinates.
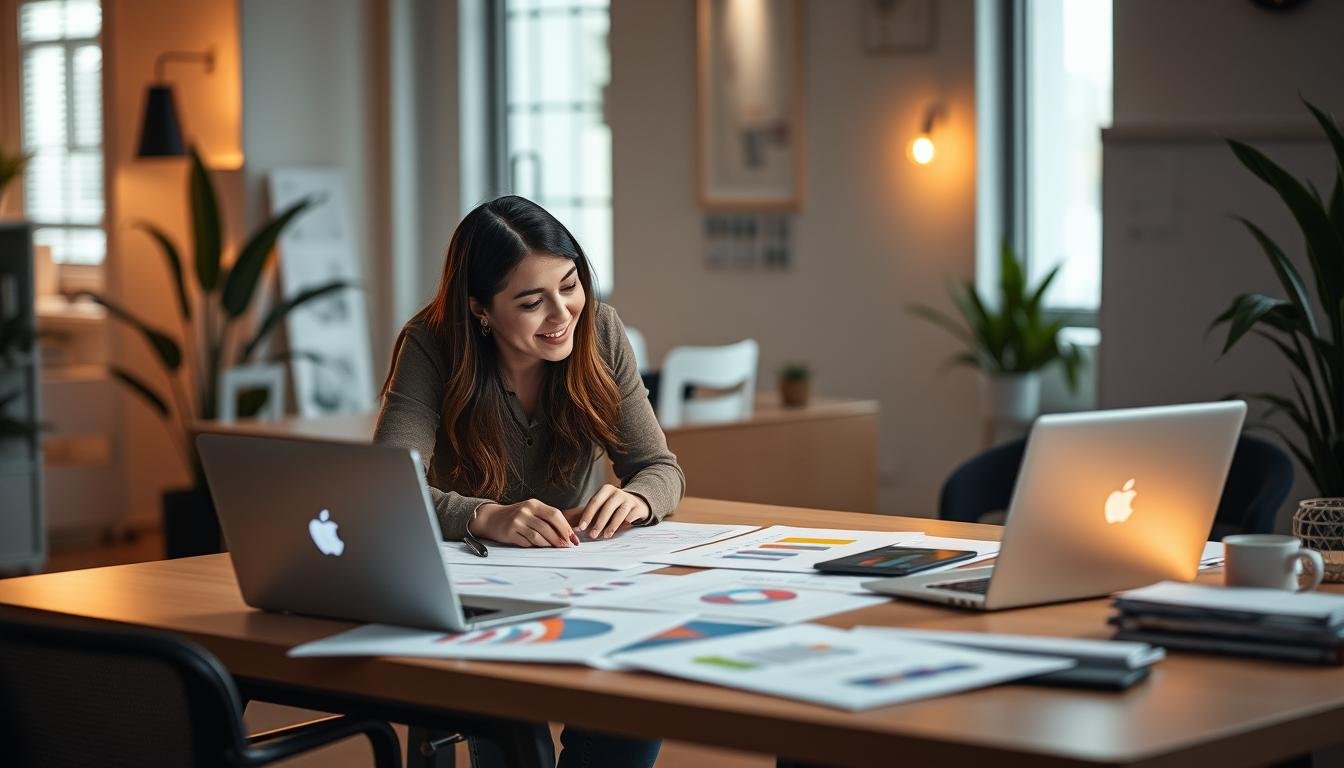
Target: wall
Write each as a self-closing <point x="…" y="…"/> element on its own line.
<point x="209" y="104"/>
<point x="876" y="233"/>
<point x="1173" y="259"/>
<point x="369" y="87"/>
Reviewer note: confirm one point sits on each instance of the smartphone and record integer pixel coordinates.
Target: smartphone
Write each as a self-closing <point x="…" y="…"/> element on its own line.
<point x="893" y="561"/>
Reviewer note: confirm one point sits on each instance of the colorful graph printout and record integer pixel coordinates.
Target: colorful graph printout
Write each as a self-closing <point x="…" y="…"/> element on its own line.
<point x="835" y="667"/>
<point x="748" y="596"/>
<point x="699" y="629"/>
<point x="730" y="596"/>
<point x="580" y="636"/>
<point x="784" y="548"/>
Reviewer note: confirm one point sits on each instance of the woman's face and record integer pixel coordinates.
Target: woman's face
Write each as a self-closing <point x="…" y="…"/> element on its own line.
<point x="535" y="314"/>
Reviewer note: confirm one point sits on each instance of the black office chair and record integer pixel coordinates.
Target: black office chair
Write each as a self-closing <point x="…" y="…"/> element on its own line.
<point x="73" y="696"/>
<point x="1259" y="480"/>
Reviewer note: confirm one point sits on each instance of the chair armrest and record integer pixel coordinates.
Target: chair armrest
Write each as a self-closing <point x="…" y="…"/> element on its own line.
<point x="281" y="743"/>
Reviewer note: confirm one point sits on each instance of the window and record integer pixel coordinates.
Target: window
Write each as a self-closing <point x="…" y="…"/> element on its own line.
<point x="62" y="125"/>
<point x="1065" y="52"/>
<point x="556" y="143"/>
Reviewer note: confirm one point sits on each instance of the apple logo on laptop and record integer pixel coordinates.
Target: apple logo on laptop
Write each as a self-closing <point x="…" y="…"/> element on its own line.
<point x="1118" y="507"/>
<point x="323" y="531"/>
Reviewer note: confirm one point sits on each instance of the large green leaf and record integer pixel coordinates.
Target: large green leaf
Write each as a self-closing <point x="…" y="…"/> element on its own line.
<point x="1332" y="132"/>
<point x="246" y="272"/>
<point x="282" y="309"/>
<point x="205" y="224"/>
<point x="1286" y="271"/>
<point x="170" y="354"/>
<point x="139" y="387"/>
<point x="174" y="260"/>
<point x="1324" y="244"/>
<point x="1247" y="310"/>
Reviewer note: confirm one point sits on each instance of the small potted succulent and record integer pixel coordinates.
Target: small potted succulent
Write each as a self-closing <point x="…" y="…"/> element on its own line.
<point x="795" y="380"/>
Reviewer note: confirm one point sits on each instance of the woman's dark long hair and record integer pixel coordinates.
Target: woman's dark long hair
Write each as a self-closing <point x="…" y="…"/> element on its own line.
<point x="579" y="396"/>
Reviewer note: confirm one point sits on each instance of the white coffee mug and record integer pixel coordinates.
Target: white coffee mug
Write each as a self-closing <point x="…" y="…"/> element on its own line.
<point x="1266" y="560"/>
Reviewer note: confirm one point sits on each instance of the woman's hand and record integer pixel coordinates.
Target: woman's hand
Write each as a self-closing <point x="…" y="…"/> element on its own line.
<point x="609" y="509"/>
<point x="526" y="524"/>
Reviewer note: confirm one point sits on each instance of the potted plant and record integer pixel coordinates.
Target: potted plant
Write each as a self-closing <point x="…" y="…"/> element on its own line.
<point x="1008" y="340"/>
<point x="794" y="384"/>
<point x="1308" y="336"/>
<point x="208" y="337"/>
<point x="11" y="167"/>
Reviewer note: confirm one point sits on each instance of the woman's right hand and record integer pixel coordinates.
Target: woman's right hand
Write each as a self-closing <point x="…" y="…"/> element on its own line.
<point x="525" y="524"/>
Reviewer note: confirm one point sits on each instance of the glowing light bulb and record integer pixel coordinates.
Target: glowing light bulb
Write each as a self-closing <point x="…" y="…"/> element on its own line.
<point x="921" y="150"/>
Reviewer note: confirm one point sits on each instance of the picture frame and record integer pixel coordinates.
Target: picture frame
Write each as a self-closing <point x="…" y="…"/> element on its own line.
<point x="331" y="353"/>
<point x="234" y="382"/>
<point x="750" y="141"/>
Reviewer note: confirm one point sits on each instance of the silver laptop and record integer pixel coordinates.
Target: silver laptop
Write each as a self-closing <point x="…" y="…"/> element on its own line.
<point x="1105" y="500"/>
<point x="341" y="530"/>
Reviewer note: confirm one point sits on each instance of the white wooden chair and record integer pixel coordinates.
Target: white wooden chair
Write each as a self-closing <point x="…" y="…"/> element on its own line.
<point x="732" y="366"/>
<point x="641" y="349"/>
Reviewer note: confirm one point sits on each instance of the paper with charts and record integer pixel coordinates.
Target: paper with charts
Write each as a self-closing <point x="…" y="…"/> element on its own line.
<point x="627" y="549"/>
<point x="785" y="548"/>
<point x="840" y="669"/>
<point x="691" y="631"/>
<point x="576" y="637"/>
<point x="731" y="595"/>
<point x="512" y="581"/>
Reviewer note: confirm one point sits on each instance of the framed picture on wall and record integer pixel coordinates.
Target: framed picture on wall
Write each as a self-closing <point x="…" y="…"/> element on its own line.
<point x="749" y="99"/>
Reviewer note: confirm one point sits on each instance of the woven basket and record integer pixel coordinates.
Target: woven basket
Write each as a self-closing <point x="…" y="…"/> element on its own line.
<point x="1319" y="523"/>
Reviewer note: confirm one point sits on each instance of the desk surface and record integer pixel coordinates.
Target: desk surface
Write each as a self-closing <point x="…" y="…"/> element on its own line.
<point x="1195" y="709"/>
<point x="359" y="426"/>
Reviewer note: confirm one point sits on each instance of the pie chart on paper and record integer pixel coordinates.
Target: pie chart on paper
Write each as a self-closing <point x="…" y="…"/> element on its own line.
<point x="552" y="630"/>
<point x="748" y="596"/>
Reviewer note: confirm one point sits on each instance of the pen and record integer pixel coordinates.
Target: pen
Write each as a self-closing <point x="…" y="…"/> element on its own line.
<point x="474" y="545"/>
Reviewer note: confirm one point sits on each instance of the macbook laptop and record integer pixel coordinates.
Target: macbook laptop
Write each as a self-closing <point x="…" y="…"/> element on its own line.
<point x="1104" y="501"/>
<point x="341" y="530"/>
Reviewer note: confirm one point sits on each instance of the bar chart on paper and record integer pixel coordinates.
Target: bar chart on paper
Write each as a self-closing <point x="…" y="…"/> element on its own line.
<point x="784" y="548"/>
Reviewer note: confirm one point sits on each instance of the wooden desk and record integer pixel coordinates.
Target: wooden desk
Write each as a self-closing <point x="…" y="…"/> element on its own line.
<point x="1195" y="710"/>
<point x="823" y="455"/>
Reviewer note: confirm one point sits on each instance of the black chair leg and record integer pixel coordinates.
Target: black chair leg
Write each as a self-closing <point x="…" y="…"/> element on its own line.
<point x="426" y="748"/>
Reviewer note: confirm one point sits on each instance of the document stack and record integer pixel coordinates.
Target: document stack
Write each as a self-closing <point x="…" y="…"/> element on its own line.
<point x="1268" y="623"/>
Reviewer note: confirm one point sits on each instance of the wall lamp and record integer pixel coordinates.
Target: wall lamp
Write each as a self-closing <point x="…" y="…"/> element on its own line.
<point x="922" y="150"/>
<point x="160" y="130"/>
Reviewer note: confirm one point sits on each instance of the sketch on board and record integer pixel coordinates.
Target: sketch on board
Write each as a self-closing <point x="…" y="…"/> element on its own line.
<point x="334" y="373"/>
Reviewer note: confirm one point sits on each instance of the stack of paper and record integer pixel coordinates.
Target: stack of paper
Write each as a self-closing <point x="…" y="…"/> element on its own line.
<point x="841" y="669"/>
<point x="1272" y="623"/>
<point x="1099" y="663"/>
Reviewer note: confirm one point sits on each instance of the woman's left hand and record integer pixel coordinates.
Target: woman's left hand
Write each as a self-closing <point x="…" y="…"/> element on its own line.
<point x="608" y="510"/>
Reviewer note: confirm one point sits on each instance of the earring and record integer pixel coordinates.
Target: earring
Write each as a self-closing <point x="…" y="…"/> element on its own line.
<point x="485" y="327"/>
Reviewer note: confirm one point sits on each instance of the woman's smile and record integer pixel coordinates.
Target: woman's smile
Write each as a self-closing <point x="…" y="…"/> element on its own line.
<point x="556" y="338"/>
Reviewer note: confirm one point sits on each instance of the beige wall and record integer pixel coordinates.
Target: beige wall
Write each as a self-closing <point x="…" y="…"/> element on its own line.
<point x="876" y="232"/>
<point x="135" y="32"/>
<point x="1200" y="61"/>
<point x="1173" y="259"/>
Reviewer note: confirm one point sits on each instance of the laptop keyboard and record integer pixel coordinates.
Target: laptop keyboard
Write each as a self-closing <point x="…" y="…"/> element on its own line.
<point x="973" y="586"/>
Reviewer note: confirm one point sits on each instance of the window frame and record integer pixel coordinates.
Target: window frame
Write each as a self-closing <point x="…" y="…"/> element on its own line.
<point x="1013" y="42"/>
<point x="75" y="276"/>
<point x="500" y="106"/>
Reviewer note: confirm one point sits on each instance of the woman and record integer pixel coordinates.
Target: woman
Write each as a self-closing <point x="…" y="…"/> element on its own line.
<point x="511" y="384"/>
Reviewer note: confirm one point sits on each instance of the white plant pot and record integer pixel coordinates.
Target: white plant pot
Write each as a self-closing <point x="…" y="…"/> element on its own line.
<point x="1012" y="398"/>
